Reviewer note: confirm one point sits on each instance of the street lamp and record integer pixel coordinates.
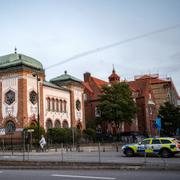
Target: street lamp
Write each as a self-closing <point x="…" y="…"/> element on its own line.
<point x="37" y="85"/>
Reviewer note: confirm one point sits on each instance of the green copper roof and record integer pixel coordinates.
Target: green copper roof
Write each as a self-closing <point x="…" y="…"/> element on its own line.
<point x="49" y="84"/>
<point x="65" y="77"/>
<point x="19" y="59"/>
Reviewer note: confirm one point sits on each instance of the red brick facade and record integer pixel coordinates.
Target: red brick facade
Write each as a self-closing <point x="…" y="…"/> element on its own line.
<point x="22" y="115"/>
<point x="147" y="98"/>
<point x="41" y="105"/>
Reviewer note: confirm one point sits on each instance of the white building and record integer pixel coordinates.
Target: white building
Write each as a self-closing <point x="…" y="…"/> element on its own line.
<point x="24" y="94"/>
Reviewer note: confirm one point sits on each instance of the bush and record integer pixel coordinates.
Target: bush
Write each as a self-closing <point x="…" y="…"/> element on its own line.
<point x="63" y="135"/>
<point x="89" y="134"/>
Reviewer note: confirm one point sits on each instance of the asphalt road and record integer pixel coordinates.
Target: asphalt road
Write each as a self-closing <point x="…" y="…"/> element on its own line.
<point x="107" y="157"/>
<point x="87" y="174"/>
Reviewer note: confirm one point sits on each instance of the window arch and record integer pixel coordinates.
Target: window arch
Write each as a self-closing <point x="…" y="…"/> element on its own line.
<point x="10" y="127"/>
<point x="57" y="124"/>
<point x="33" y="124"/>
<point x="49" y="124"/>
<point x="65" y="124"/>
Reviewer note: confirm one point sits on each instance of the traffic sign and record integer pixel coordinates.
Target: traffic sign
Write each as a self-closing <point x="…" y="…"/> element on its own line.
<point x="30" y="130"/>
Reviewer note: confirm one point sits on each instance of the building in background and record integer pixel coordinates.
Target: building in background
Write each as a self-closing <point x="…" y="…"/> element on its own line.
<point x="148" y="91"/>
<point x="24" y="94"/>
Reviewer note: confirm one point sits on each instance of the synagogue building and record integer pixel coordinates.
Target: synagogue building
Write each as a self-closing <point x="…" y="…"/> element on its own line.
<point x="26" y="98"/>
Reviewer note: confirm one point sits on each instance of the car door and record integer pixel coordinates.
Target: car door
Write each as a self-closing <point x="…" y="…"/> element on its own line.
<point x="143" y="146"/>
<point x="156" y="146"/>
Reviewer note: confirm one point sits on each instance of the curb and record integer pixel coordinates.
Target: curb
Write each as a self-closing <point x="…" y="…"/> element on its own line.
<point x="82" y="165"/>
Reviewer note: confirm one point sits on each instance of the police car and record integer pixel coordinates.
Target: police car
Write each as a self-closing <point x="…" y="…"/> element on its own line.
<point x="165" y="147"/>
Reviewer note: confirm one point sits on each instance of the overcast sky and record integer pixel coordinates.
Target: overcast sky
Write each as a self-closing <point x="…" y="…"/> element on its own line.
<point x="52" y="31"/>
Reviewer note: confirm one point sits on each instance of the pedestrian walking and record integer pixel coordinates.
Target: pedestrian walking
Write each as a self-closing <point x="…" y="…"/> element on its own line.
<point x="42" y="142"/>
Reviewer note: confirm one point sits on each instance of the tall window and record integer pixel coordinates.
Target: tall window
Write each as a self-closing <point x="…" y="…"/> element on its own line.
<point x="57" y="124"/>
<point x="33" y="97"/>
<point x="48" y="104"/>
<point x="78" y="105"/>
<point x="65" y="124"/>
<point x="53" y="104"/>
<point x="60" y="105"/>
<point x="57" y="105"/>
<point x="65" y="110"/>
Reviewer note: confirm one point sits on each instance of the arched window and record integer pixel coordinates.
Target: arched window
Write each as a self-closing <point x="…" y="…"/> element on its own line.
<point x="57" y="124"/>
<point x="49" y="124"/>
<point x="10" y="127"/>
<point x="65" y="124"/>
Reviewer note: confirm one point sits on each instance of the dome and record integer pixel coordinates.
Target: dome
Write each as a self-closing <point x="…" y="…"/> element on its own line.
<point x="15" y="59"/>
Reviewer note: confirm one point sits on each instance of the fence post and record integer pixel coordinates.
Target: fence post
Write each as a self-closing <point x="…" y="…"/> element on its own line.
<point x="23" y="145"/>
<point x="3" y="145"/>
<point x="62" y="152"/>
<point x="11" y="144"/>
<point x="28" y="151"/>
<point x="99" y="152"/>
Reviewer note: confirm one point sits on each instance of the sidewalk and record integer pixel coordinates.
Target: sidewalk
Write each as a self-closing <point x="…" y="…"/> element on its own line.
<point x="62" y="159"/>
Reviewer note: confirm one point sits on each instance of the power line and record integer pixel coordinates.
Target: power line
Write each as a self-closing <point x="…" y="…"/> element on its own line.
<point x="102" y="48"/>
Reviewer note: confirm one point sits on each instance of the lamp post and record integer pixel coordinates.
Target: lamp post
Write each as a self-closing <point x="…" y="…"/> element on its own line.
<point x="37" y="85"/>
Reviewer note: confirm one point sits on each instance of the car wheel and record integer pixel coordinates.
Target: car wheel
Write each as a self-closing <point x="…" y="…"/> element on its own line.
<point x="165" y="153"/>
<point x="129" y="152"/>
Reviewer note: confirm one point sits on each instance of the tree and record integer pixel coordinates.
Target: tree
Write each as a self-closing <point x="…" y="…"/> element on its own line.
<point x="117" y="104"/>
<point x="170" y="118"/>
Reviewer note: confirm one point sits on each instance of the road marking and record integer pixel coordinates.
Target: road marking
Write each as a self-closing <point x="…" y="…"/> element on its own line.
<point x="85" y="177"/>
<point x="1" y="171"/>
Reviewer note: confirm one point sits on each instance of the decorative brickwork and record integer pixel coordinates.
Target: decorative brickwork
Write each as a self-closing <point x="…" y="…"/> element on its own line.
<point x="10" y="118"/>
<point x="41" y="104"/>
<point x="22" y="115"/>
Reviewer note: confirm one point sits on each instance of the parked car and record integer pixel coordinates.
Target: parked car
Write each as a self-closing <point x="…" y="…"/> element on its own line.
<point x="163" y="146"/>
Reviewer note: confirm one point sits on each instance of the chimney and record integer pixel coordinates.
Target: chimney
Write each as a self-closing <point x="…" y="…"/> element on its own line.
<point x="87" y="76"/>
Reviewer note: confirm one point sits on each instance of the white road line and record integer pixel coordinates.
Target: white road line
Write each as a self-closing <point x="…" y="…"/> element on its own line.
<point x="85" y="177"/>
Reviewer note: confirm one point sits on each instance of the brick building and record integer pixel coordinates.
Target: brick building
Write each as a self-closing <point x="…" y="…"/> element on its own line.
<point x="148" y="91"/>
<point x="25" y="94"/>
